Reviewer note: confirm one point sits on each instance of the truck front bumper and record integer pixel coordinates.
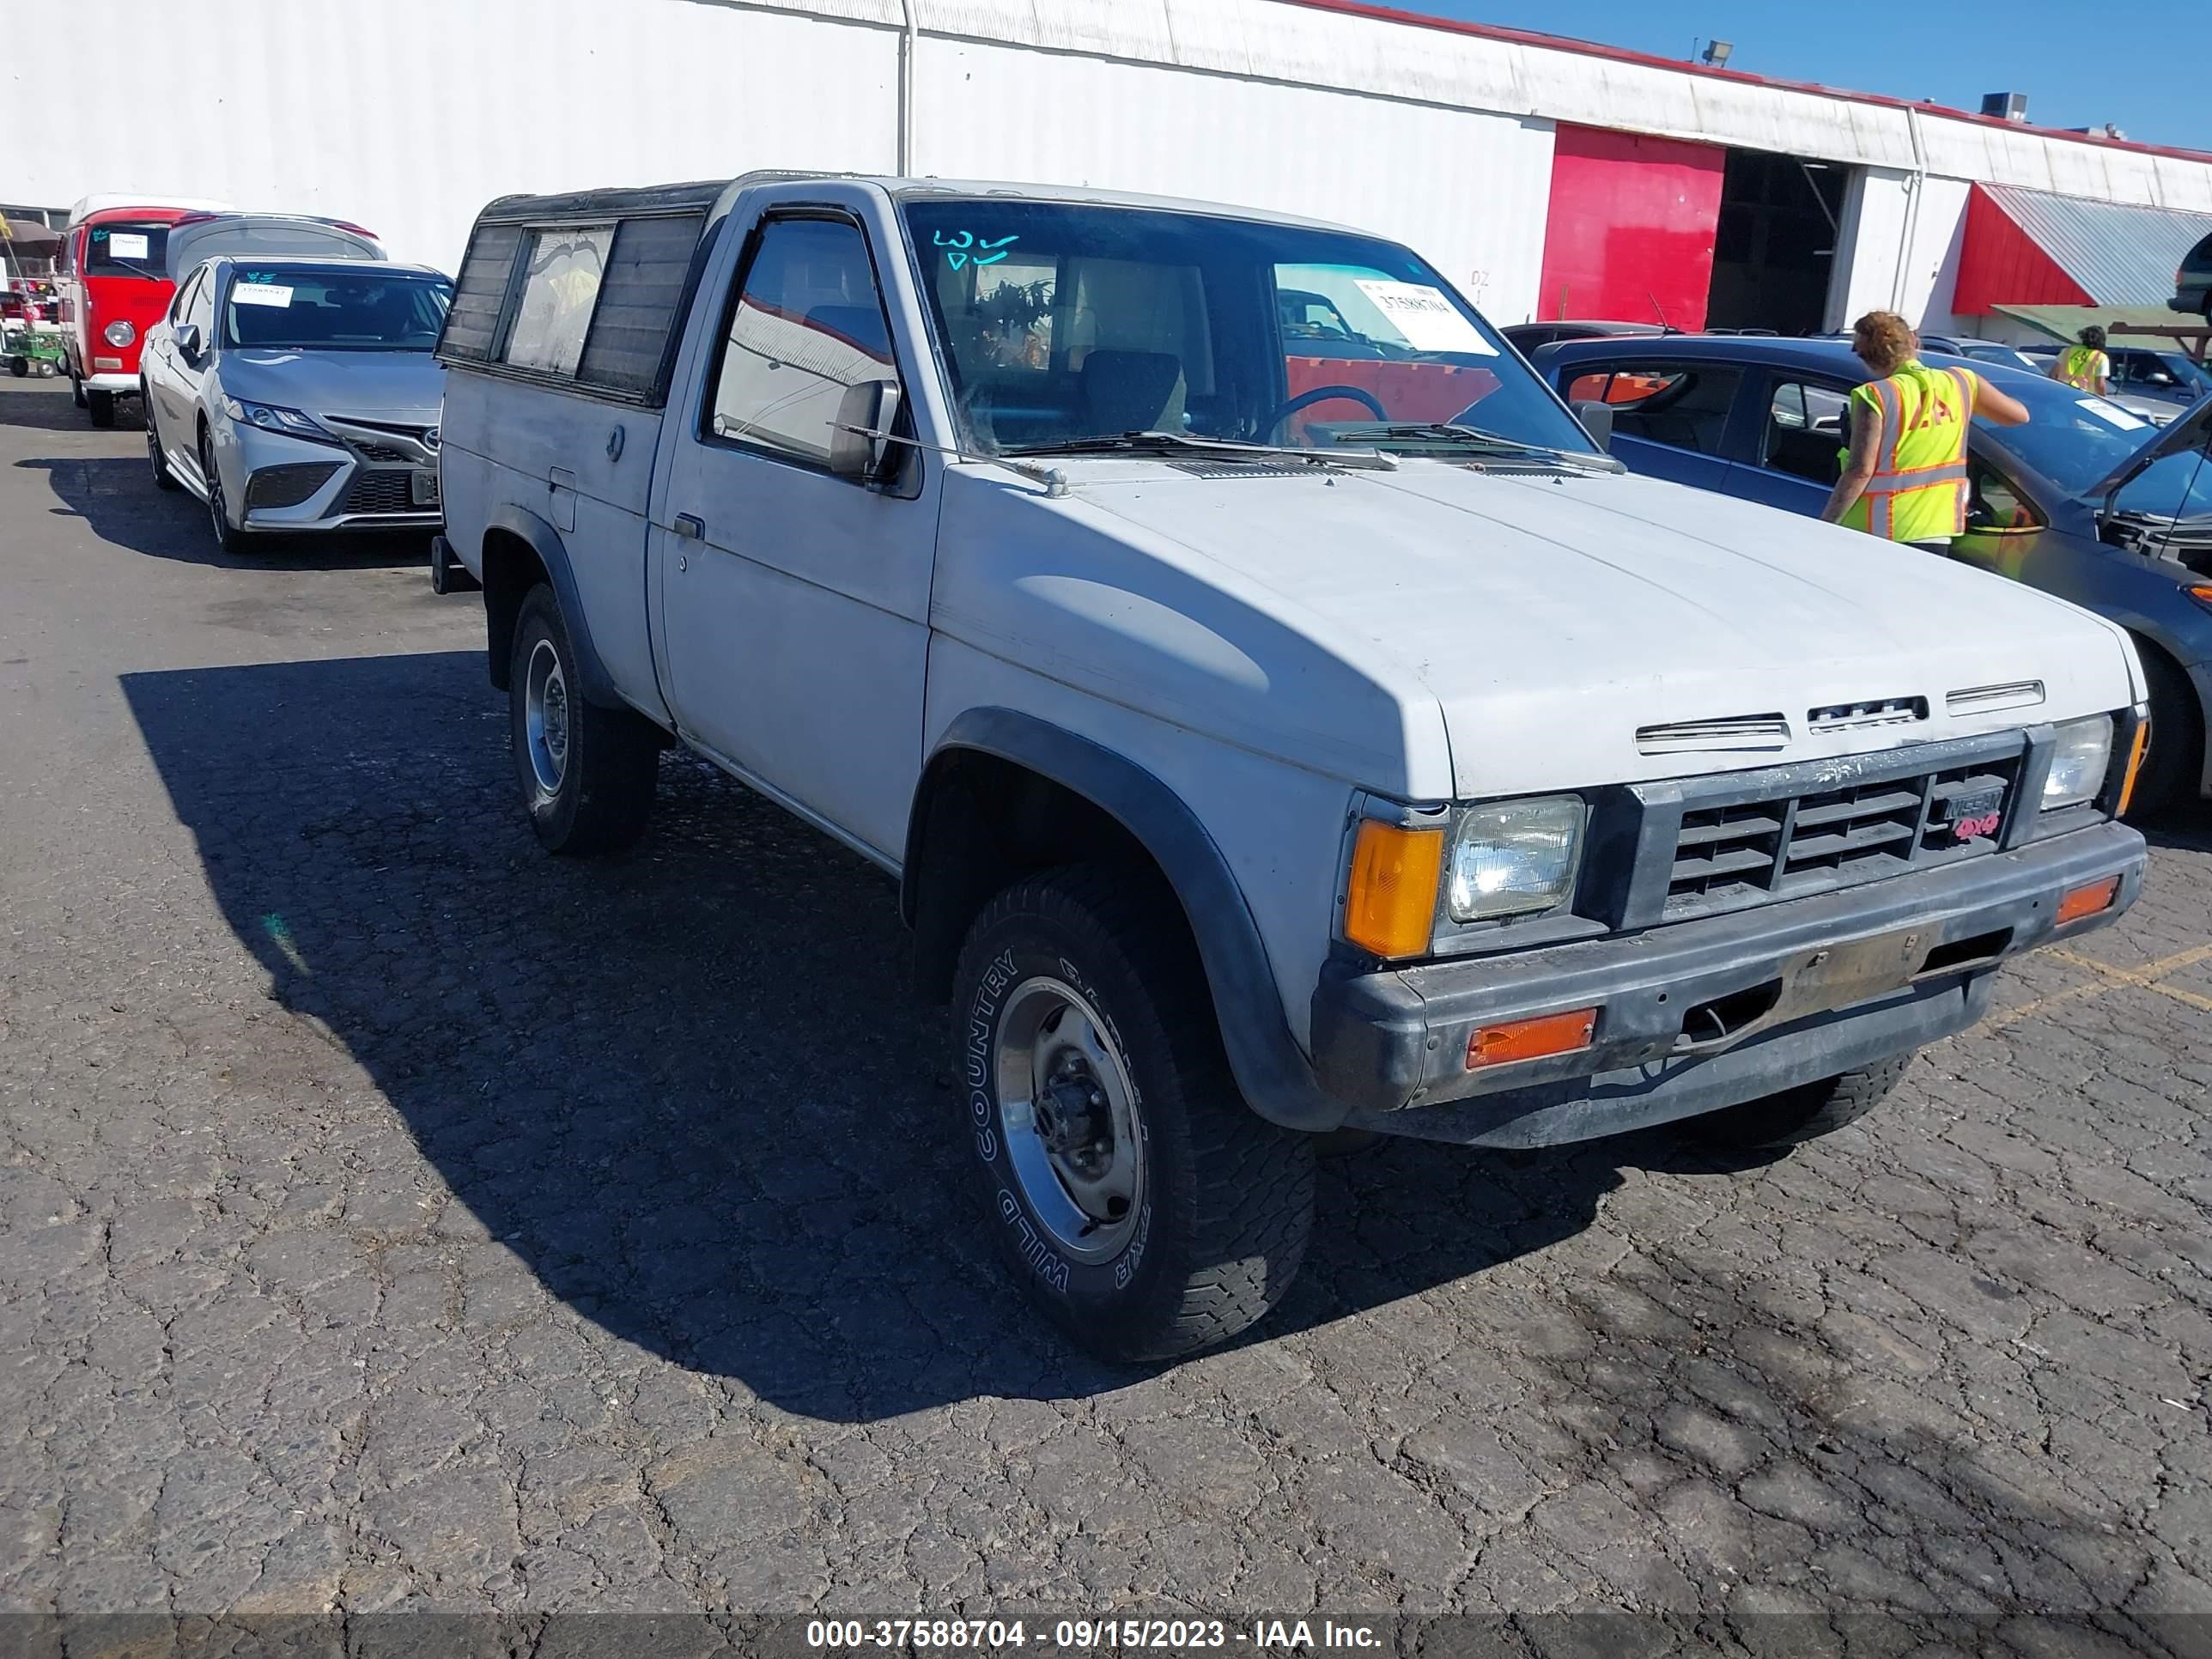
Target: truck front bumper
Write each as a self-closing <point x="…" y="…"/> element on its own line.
<point x="1704" y="1014"/>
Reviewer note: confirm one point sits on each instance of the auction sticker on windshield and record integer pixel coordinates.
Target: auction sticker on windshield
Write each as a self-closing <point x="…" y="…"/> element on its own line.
<point x="2113" y="415"/>
<point x="261" y="293"/>
<point x="127" y="245"/>
<point x="1429" y="321"/>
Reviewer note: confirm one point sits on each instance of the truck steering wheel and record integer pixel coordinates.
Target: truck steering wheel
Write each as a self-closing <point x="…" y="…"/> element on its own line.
<point x="1319" y="394"/>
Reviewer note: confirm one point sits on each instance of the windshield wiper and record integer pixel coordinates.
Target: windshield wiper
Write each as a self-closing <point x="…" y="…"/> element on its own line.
<point x="1459" y="436"/>
<point x="1227" y="449"/>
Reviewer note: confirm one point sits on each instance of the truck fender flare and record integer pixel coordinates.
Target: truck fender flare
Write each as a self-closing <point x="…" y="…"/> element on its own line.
<point x="598" y="686"/>
<point x="1274" y="1075"/>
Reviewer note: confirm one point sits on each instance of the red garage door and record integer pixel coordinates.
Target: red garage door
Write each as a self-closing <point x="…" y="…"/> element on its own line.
<point x="1632" y="224"/>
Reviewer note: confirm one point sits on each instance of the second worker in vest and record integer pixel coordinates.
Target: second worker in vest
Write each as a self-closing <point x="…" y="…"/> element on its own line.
<point x="1905" y="473"/>
<point x="2085" y="367"/>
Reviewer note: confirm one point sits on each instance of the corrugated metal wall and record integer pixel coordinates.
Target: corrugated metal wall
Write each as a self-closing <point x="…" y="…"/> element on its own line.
<point x="410" y="117"/>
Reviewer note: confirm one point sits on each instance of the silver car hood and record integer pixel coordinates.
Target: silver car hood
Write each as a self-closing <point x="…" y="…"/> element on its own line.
<point x="401" y="387"/>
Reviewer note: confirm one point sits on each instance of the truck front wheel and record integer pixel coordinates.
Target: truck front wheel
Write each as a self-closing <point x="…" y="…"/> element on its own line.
<point x="1777" y="1122"/>
<point x="587" y="774"/>
<point x="1142" y="1203"/>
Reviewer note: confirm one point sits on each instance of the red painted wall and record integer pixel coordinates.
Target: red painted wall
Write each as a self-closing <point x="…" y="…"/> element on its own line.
<point x="1631" y="221"/>
<point x="1999" y="264"/>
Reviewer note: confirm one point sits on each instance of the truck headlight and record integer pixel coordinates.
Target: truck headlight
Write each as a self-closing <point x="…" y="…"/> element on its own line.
<point x="119" y="333"/>
<point x="1512" y="858"/>
<point x="2080" y="759"/>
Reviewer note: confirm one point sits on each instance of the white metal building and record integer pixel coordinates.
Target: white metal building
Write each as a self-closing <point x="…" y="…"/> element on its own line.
<point x="1548" y="178"/>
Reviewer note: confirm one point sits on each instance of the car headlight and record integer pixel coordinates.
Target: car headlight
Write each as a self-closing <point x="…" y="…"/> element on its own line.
<point x="2080" y="759"/>
<point x="274" y="418"/>
<point x="1512" y="858"/>
<point x="118" y="334"/>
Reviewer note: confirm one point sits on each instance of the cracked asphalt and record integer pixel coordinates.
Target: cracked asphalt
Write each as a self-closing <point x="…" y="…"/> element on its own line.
<point x="397" y="1219"/>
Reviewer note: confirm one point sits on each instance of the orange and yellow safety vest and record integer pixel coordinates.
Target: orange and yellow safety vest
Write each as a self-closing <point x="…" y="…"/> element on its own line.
<point x="1918" y="490"/>
<point x="2082" y="366"/>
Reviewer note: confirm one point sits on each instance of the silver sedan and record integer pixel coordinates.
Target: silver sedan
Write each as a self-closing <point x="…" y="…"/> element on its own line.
<point x="294" y="395"/>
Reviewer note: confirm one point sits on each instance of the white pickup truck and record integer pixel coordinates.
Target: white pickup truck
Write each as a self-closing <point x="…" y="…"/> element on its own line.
<point x="1280" y="715"/>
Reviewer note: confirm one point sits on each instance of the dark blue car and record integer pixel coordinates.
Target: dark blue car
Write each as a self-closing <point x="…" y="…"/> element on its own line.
<point x="2087" y="500"/>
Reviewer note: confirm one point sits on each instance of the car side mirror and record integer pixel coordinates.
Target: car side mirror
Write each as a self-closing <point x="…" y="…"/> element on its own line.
<point x="187" y="337"/>
<point x="1597" y="421"/>
<point x="861" y="447"/>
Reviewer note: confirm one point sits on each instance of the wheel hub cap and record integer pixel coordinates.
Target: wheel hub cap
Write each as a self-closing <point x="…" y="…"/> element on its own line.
<point x="1073" y="1137"/>
<point x="545" y="717"/>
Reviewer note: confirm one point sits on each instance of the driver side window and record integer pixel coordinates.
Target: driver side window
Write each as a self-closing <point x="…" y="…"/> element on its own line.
<point x="1808" y="429"/>
<point x="1992" y="504"/>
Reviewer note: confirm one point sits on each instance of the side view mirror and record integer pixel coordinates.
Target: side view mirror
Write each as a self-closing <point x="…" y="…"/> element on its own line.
<point x="861" y="447"/>
<point x="187" y="337"/>
<point x="1597" y="421"/>
<point x="2158" y="377"/>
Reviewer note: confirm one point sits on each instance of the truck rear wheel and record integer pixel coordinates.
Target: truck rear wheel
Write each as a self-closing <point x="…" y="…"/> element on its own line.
<point x="1140" y="1202"/>
<point x="587" y="774"/>
<point x="1777" y="1122"/>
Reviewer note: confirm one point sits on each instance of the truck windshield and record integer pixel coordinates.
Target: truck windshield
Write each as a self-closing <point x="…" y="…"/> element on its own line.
<point x="119" y="249"/>
<point x="1063" y="322"/>
<point x="375" y="309"/>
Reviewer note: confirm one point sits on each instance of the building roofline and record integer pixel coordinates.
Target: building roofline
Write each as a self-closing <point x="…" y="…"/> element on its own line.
<point x="1383" y="14"/>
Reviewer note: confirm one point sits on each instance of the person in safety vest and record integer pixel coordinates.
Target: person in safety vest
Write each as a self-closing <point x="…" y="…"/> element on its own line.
<point x="2085" y="367"/>
<point x="1905" y="474"/>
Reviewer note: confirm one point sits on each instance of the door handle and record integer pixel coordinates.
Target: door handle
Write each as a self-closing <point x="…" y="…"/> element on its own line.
<point x="689" y="527"/>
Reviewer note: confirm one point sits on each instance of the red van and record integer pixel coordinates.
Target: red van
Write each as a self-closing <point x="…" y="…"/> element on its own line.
<point x="112" y="290"/>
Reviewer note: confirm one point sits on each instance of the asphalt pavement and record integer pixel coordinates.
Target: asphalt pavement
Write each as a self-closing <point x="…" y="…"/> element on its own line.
<point x="392" y="1217"/>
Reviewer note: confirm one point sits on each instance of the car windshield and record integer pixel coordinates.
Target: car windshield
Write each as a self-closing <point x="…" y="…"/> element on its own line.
<point x="278" y="308"/>
<point x="120" y="249"/>
<point x="2075" y="439"/>
<point x="1062" y="323"/>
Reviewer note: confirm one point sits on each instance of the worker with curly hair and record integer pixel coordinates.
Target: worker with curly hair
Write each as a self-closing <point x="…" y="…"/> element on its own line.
<point x="1905" y="472"/>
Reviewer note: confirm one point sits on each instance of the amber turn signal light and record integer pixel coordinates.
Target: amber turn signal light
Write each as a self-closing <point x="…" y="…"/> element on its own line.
<point x="1391" y="906"/>
<point x="2136" y="750"/>
<point x="2089" y="901"/>
<point x="1531" y="1039"/>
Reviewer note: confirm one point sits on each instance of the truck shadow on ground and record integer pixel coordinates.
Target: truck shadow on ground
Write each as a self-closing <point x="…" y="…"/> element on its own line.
<point x="688" y="1086"/>
<point x="117" y="498"/>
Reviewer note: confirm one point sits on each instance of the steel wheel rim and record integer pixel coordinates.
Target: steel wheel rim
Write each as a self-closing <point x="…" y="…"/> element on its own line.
<point x="1060" y="1079"/>
<point x="545" y="717"/>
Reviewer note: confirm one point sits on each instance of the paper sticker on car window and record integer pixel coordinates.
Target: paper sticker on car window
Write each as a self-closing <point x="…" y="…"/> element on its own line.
<point x="2113" y="415"/>
<point x="1429" y="321"/>
<point x="260" y="294"/>
<point x="128" y="245"/>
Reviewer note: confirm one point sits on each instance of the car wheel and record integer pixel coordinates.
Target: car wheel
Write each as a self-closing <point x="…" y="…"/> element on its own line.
<point x="99" y="407"/>
<point x="227" y="536"/>
<point x="19" y="368"/>
<point x="163" y="478"/>
<point x="1780" y="1121"/>
<point x="2175" y="761"/>
<point x="588" y="774"/>
<point x="1138" y="1200"/>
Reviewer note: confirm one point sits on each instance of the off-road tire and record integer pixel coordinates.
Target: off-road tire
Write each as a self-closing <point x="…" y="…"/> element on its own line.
<point x="19" y="368"/>
<point x="605" y="797"/>
<point x="1777" y="1122"/>
<point x="1228" y="1199"/>
<point x="2176" y="759"/>
<point x="99" y="407"/>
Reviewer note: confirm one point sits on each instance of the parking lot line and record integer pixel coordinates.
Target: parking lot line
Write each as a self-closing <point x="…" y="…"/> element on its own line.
<point x="2148" y="977"/>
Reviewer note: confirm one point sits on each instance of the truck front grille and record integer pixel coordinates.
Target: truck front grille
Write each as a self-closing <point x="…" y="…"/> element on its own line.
<point x="1734" y="854"/>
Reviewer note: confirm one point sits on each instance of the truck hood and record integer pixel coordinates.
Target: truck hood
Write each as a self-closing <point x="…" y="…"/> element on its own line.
<point x="394" y="385"/>
<point x="1563" y="623"/>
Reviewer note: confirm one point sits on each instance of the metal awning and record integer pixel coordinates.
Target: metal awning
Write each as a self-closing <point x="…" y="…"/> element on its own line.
<point x="2115" y="255"/>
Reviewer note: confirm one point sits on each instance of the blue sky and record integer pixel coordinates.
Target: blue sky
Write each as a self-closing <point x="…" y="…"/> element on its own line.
<point x="1951" y="53"/>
